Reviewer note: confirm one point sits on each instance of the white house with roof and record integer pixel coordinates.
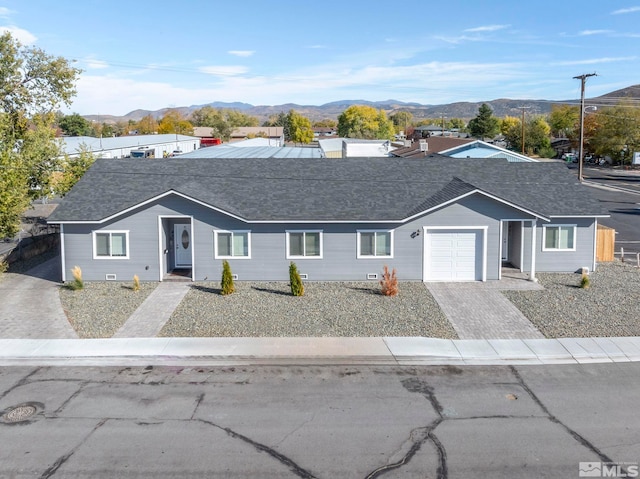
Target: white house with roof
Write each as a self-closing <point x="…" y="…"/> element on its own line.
<point x="122" y="146"/>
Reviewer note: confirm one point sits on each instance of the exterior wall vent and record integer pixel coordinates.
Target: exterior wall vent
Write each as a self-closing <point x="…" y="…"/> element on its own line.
<point x="110" y="277"/>
<point x="372" y="275"/>
<point x="234" y="276"/>
<point x="304" y="276"/>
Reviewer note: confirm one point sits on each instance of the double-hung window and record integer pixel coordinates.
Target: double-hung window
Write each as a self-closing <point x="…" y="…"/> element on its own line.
<point x="232" y="244"/>
<point x="559" y="238"/>
<point x="111" y="244"/>
<point x="304" y="244"/>
<point x="375" y="244"/>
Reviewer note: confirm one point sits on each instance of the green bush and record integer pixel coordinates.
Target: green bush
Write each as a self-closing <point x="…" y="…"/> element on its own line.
<point x="585" y="281"/>
<point x="297" y="288"/>
<point x="78" y="282"/>
<point x="227" y="286"/>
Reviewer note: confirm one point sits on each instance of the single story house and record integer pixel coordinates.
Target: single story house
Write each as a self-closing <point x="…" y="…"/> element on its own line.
<point x="437" y="220"/>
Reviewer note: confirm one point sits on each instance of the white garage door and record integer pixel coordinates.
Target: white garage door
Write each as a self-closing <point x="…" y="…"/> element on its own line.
<point x="453" y="255"/>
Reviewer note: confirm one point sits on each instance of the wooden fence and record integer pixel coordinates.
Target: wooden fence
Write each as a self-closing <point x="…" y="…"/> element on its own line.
<point x="605" y="243"/>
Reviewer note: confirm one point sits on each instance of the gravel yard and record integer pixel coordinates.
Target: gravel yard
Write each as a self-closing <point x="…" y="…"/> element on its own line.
<point x="98" y="310"/>
<point x="610" y="307"/>
<point x="326" y="309"/>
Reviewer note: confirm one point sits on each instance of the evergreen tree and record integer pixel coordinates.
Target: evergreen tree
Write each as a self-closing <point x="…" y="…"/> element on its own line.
<point x="227" y="286"/>
<point x="484" y="125"/>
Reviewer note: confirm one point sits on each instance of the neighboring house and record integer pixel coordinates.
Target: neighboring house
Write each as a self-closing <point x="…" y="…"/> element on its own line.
<point x="254" y="148"/>
<point x="207" y="138"/>
<point x="324" y="132"/>
<point x="354" y="147"/>
<point x="274" y="133"/>
<point x="122" y="146"/>
<point x="482" y="149"/>
<point x="437" y="220"/>
<point x="428" y="146"/>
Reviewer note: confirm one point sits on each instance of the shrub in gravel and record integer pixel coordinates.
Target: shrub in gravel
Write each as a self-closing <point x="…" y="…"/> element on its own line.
<point x="227" y="286"/>
<point x="585" y="282"/>
<point x="389" y="282"/>
<point x="78" y="282"/>
<point x="297" y="288"/>
<point x="136" y="283"/>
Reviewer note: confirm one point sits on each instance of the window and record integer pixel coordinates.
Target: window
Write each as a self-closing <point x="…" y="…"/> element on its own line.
<point x="559" y="238"/>
<point x="304" y="244"/>
<point x="375" y="244"/>
<point x="111" y="244"/>
<point x="232" y="244"/>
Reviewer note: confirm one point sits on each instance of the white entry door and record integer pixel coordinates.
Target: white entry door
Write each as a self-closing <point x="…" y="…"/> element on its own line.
<point x="453" y="255"/>
<point x="505" y="240"/>
<point x="183" y="244"/>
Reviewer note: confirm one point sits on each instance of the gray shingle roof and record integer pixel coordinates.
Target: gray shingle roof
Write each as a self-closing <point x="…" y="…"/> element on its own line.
<point x="354" y="189"/>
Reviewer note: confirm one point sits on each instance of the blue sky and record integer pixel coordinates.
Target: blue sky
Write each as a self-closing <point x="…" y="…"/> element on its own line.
<point x="150" y="55"/>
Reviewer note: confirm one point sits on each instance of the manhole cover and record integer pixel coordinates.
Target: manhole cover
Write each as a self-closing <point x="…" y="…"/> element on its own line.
<point x="19" y="413"/>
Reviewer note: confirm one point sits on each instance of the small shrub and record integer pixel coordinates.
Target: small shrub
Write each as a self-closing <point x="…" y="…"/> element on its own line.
<point x="389" y="282"/>
<point x="585" y="281"/>
<point x="136" y="283"/>
<point x="78" y="282"/>
<point x="227" y="286"/>
<point x="297" y="288"/>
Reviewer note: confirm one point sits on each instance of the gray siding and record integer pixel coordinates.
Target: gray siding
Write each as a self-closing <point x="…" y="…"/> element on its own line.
<point x="562" y="261"/>
<point x="149" y="239"/>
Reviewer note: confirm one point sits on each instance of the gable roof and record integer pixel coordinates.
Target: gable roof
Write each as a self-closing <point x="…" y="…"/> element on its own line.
<point x="482" y="149"/>
<point x="435" y="144"/>
<point x="324" y="190"/>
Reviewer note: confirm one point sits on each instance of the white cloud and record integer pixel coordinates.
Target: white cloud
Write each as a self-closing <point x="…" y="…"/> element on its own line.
<point x="593" y="32"/>
<point x="487" y="28"/>
<point x="622" y="11"/>
<point x="224" y="70"/>
<point x="23" y="36"/>
<point x="595" y="61"/>
<point x="5" y="12"/>
<point x="95" y="64"/>
<point x="241" y="53"/>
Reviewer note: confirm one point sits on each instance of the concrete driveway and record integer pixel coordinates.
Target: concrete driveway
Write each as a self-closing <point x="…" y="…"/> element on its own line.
<point x="30" y="305"/>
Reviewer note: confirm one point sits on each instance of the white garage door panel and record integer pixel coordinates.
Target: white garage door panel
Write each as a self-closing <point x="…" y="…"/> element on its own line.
<point x="453" y="255"/>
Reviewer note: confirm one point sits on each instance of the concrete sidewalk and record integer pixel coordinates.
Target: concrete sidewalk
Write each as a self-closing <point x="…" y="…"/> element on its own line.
<point x="314" y="351"/>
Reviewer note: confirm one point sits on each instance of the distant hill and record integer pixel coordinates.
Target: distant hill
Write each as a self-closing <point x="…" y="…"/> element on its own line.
<point x="466" y="110"/>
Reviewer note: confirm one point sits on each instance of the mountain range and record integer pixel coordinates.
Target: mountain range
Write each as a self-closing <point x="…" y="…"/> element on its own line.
<point x="466" y="110"/>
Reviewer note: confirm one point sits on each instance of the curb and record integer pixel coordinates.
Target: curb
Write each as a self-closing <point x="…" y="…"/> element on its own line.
<point x="391" y="351"/>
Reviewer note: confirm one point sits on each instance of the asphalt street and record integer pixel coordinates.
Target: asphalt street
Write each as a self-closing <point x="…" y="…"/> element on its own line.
<point x="620" y="193"/>
<point x="322" y="422"/>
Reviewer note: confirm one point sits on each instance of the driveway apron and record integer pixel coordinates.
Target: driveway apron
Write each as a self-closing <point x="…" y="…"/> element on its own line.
<point x="478" y="310"/>
<point x="30" y="304"/>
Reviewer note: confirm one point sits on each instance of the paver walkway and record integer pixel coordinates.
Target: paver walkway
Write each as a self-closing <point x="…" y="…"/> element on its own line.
<point x="480" y="311"/>
<point x="30" y="304"/>
<point x="154" y="312"/>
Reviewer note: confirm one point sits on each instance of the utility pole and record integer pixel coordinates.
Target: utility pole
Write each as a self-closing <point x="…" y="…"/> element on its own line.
<point x="443" y="117"/>
<point x="523" y="108"/>
<point x="583" y="79"/>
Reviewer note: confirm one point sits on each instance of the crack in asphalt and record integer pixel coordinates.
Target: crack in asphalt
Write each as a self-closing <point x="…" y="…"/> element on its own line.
<point x="416" y="385"/>
<point x="575" y="434"/>
<point x="70" y="398"/>
<point x="53" y="468"/>
<point x="293" y="467"/>
<point x="195" y="409"/>
<point x="21" y="382"/>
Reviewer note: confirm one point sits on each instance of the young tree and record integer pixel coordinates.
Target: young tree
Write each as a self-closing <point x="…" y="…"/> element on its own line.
<point x="73" y="168"/>
<point x="402" y="120"/>
<point x="226" y="283"/>
<point x="297" y="288"/>
<point x="174" y="122"/>
<point x="564" y="120"/>
<point x="361" y="121"/>
<point x="299" y="128"/>
<point x="75" y="125"/>
<point x="618" y="136"/>
<point x="484" y="125"/>
<point x="32" y="86"/>
<point x="147" y="125"/>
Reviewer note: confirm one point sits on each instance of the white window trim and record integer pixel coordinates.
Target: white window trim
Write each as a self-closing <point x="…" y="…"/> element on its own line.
<point x="359" y="254"/>
<point x="215" y="244"/>
<point x="110" y="232"/>
<point x="544" y="237"/>
<point x="289" y="256"/>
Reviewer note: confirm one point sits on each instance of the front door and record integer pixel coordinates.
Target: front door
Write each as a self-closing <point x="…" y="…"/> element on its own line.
<point x="505" y="241"/>
<point x="182" y="240"/>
